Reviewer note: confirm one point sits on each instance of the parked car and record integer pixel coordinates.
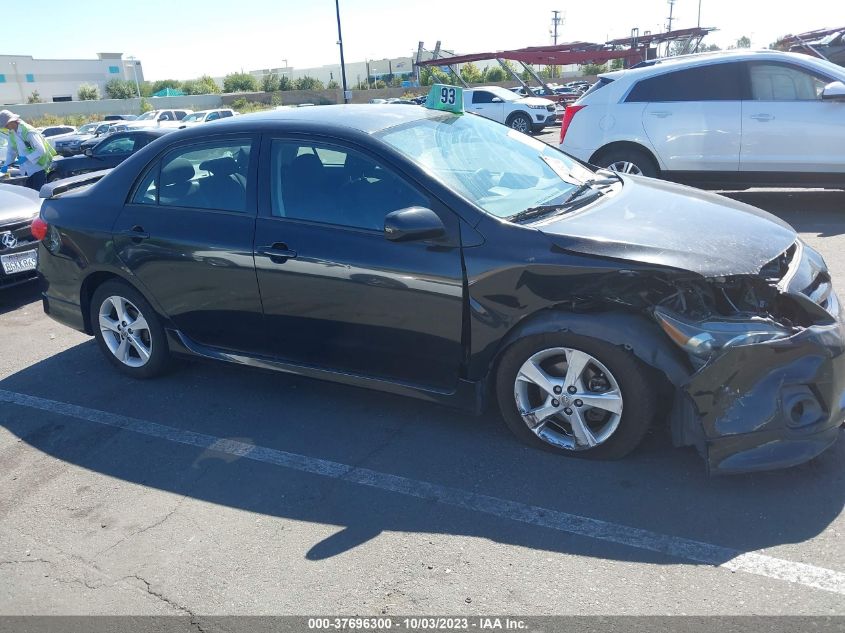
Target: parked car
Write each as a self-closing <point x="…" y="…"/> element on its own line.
<point x="831" y="46"/>
<point x="722" y="119"/>
<point x="453" y="259"/>
<point x="56" y="130"/>
<point x="206" y="116"/>
<point x="525" y="114"/>
<point x="71" y="144"/>
<point x="107" y="153"/>
<point x="159" y="118"/>
<point x="18" y="248"/>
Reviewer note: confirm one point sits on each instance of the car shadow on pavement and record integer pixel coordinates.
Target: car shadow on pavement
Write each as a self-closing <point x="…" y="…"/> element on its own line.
<point x="18" y="296"/>
<point x="658" y="488"/>
<point x="808" y="211"/>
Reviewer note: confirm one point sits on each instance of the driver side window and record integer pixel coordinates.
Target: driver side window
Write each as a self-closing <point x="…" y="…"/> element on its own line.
<point x="333" y="185"/>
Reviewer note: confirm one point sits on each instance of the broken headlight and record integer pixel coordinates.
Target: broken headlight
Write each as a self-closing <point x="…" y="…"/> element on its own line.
<point x="702" y="339"/>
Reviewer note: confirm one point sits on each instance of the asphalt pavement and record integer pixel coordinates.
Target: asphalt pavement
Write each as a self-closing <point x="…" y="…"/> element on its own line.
<point x="224" y="490"/>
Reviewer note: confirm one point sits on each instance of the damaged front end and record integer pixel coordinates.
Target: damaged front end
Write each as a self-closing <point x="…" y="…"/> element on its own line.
<point x="768" y="353"/>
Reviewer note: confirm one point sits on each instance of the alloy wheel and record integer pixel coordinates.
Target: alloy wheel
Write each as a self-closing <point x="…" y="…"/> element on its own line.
<point x="125" y="331"/>
<point x="626" y="167"/>
<point x="568" y="398"/>
<point x="520" y="125"/>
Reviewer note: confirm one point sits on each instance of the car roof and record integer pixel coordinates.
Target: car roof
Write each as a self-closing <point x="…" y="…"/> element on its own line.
<point x="367" y="118"/>
<point x="666" y="64"/>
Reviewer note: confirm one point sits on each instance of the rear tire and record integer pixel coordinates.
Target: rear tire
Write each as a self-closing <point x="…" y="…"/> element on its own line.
<point x="128" y="330"/>
<point x="582" y="416"/>
<point x="629" y="160"/>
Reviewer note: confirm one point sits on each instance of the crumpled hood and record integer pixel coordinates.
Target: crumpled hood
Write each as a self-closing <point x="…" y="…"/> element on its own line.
<point x="17" y="203"/>
<point x="657" y="222"/>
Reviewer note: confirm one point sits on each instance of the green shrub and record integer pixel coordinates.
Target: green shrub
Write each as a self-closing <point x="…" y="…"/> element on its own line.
<point x="88" y="92"/>
<point x="239" y="82"/>
<point x="121" y="89"/>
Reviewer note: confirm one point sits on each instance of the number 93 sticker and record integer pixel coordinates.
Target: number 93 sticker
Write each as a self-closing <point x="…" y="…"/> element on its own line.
<point x="443" y="97"/>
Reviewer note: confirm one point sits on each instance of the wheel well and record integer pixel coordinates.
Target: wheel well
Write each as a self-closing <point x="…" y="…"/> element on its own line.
<point x="513" y="115"/>
<point x="89" y="287"/>
<point x="618" y="145"/>
<point x="634" y="332"/>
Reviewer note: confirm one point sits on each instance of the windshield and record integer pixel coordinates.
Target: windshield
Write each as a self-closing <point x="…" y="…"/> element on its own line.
<point x="147" y="116"/>
<point x="88" y="128"/>
<point x="502" y="171"/>
<point x="196" y="116"/>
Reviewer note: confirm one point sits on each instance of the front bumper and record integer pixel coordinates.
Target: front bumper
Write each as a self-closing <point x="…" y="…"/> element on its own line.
<point x="771" y="405"/>
<point x="24" y="242"/>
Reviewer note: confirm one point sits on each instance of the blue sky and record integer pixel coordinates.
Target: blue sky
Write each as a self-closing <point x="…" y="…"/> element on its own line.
<point x="187" y="38"/>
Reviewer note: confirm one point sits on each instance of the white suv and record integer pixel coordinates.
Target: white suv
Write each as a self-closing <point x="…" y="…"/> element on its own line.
<point x="525" y="114"/>
<point x="158" y="118"/>
<point x="716" y="120"/>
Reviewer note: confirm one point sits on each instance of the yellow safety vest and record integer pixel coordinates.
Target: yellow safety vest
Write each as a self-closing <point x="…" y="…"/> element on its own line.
<point x="25" y="131"/>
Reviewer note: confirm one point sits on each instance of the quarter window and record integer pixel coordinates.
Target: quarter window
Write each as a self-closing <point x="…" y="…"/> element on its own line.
<point x="210" y="176"/>
<point x="779" y="82"/>
<point x="332" y="185"/>
<point x="714" y="82"/>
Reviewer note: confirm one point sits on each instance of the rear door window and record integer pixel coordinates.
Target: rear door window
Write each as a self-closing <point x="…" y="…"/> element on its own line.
<point x="713" y="82"/>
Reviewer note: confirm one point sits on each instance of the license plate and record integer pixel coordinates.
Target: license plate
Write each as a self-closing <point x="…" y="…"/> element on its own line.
<point x="19" y="262"/>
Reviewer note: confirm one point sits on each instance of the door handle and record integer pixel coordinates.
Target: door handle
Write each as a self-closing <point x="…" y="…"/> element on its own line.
<point x="137" y="233"/>
<point x="278" y="253"/>
<point x="661" y="114"/>
<point x="762" y="117"/>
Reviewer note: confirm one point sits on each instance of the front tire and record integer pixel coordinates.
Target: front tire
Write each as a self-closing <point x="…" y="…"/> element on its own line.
<point x="575" y="395"/>
<point x="520" y="122"/>
<point x="128" y="330"/>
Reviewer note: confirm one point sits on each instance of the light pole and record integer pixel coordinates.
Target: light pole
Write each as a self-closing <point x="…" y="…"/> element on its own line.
<point x="340" y="44"/>
<point x="375" y="79"/>
<point x="135" y="71"/>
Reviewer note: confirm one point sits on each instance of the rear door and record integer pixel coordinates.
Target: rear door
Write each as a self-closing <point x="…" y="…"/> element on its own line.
<point x="786" y="126"/>
<point x="482" y="102"/>
<point x="693" y="116"/>
<point x="187" y="234"/>
<point x="336" y="292"/>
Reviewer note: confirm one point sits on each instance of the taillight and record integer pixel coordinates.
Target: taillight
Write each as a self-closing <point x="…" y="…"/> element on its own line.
<point x="568" y="115"/>
<point x="39" y="229"/>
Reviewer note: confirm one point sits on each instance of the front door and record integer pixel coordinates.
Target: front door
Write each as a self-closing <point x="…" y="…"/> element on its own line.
<point x="187" y="235"/>
<point x="486" y="104"/>
<point x="336" y="293"/>
<point x="786" y="126"/>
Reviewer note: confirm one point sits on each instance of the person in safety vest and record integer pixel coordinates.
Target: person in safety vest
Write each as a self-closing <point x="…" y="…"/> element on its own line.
<point x="27" y="149"/>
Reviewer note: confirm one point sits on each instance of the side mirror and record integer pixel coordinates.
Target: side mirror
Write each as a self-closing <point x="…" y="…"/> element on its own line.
<point x="834" y="91"/>
<point x="413" y="223"/>
<point x="89" y="152"/>
<point x="497" y="100"/>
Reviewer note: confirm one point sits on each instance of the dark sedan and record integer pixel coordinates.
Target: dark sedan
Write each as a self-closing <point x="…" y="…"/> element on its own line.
<point x="109" y="152"/>
<point x="447" y="257"/>
<point x="71" y="145"/>
<point x="18" y="249"/>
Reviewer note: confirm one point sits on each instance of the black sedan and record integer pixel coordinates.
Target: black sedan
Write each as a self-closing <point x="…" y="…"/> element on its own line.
<point x="446" y="257"/>
<point x="109" y="152"/>
<point x="18" y="249"/>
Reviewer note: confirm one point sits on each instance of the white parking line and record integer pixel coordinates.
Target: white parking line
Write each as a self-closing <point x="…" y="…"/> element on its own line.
<point x="697" y="551"/>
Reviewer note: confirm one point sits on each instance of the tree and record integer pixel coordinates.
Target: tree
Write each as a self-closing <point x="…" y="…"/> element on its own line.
<point x="494" y="74"/>
<point x="332" y="85"/>
<point x="34" y="97"/>
<point x="708" y="48"/>
<point x="209" y="86"/>
<point x="239" y="82"/>
<point x="592" y="69"/>
<point x="471" y="73"/>
<point x="146" y="106"/>
<point x="308" y="83"/>
<point x="162" y="84"/>
<point x="270" y="83"/>
<point x="285" y="83"/>
<point x="743" y="42"/>
<point x="120" y="89"/>
<point x="88" y="92"/>
<point x="432" y="75"/>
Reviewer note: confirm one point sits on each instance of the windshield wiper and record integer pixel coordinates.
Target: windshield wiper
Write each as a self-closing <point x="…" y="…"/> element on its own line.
<point x="535" y="212"/>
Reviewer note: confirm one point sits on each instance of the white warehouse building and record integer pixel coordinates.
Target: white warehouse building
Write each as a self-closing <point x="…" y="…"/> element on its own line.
<point x="60" y="79"/>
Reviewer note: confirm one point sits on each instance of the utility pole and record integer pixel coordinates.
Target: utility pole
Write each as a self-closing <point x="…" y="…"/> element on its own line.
<point x="556" y="20"/>
<point x="669" y="27"/>
<point x="698" y="24"/>
<point x="340" y="44"/>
